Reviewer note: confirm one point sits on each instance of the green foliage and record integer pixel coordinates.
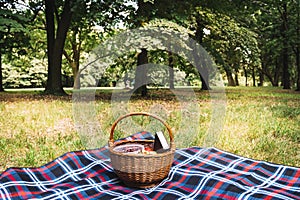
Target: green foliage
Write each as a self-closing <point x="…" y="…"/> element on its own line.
<point x="26" y="66"/>
<point x="22" y="73"/>
<point x="12" y="27"/>
<point x="229" y="43"/>
<point x="240" y="35"/>
<point x="158" y="70"/>
<point x="92" y="23"/>
<point x="278" y="29"/>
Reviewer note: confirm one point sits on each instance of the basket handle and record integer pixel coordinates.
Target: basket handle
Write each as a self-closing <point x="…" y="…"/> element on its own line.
<point x="111" y="139"/>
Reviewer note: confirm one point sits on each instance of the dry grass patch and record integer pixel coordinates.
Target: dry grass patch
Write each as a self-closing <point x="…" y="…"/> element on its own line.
<point x="260" y="123"/>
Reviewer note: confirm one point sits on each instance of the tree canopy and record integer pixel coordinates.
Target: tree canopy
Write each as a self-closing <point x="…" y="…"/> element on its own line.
<point x="258" y="39"/>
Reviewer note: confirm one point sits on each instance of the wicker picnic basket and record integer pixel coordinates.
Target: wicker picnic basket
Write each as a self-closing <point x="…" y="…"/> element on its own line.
<point x="138" y="170"/>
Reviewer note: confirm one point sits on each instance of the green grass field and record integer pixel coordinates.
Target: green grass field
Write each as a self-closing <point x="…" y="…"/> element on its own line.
<point x="260" y="123"/>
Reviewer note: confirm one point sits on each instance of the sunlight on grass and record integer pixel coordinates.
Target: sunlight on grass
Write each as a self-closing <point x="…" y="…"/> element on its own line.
<point x="260" y="123"/>
<point x="34" y="132"/>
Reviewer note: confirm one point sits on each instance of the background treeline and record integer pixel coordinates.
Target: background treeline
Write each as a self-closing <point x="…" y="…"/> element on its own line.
<point x="43" y="43"/>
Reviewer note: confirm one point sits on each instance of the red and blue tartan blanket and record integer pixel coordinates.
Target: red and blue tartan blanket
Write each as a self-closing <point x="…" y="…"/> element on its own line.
<point x="196" y="173"/>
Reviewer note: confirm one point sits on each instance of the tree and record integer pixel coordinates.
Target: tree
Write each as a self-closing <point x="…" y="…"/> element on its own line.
<point x="12" y="31"/>
<point x="277" y="26"/>
<point x="193" y="14"/>
<point x="140" y="86"/>
<point x="297" y="48"/>
<point x="90" y="25"/>
<point x="171" y="69"/>
<point x="177" y="10"/>
<point x="296" y="40"/>
<point x="169" y="56"/>
<point x="231" y="45"/>
<point x="142" y="16"/>
<point x="202" y="68"/>
<point x="60" y="16"/>
<point x="55" y="43"/>
<point x="285" y="50"/>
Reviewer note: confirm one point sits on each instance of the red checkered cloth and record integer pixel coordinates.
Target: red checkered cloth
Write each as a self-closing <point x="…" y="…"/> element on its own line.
<point x="196" y="173"/>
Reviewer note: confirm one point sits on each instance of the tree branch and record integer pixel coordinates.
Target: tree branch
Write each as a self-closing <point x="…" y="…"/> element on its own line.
<point x="67" y="56"/>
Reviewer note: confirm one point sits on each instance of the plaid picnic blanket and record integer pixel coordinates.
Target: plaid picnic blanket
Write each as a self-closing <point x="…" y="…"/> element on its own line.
<point x="196" y="173"/>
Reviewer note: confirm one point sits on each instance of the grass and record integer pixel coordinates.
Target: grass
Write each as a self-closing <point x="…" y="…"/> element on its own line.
<point x="260" y="123"/>
<point x="264" y="124"/>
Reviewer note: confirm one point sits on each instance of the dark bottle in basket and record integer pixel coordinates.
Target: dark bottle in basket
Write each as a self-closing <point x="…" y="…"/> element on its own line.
<point x="160" y="143"/>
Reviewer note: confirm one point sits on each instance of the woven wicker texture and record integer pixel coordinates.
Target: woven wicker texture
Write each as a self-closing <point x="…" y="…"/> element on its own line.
<point x="139" y="170"/>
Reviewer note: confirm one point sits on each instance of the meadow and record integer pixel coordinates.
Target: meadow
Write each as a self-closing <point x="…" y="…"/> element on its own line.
<point x="260" y="123"/>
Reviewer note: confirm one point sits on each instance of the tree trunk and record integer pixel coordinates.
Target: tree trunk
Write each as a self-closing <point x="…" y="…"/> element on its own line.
<point x="76" y="58"/>
<point x="50" y="29"/>
<point x="199" y="60"/>
<point x="75" y="70"/>
<point x="1" y="77"/>
<point x="200" y="64"/>
<point x="74" y="63"/>
<point x="246" y="76"/>
<point x="171" y="70"/>
<point x="204" y="79"/>
<point x="204" y="75"/>
<point x="262" y="71"/>
<point x="140" y="84"/>
<point x="286" y="75"/>
<point x="253" y="77"/>
<point x="285" y="71"/>
<point x="298" y="49"/>
<point x="276" y="75"/>
<point x="55" y="45"/>
<point x="261" y="79"/>
<point x="229" y="77"/>
<point x="273" y="78"/>
<point x="285" y="50"/>
<point x="236" y="78"/>
<point x="298" y="68"/>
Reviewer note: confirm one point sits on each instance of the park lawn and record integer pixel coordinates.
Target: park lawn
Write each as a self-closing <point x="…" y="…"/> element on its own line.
<point x="260" y="123"/>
